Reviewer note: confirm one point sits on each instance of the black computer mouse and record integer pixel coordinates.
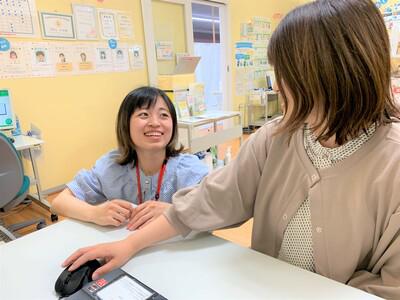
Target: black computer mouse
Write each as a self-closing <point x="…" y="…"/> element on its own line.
<point x="70" y="282"/>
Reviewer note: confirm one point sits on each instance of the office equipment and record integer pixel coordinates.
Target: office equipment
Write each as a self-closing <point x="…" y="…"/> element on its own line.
<point x="69" y="282"/>
<point x="7" y="117"/>
<point x="13" y="186"/>
<point x="116" y="284"/>
<point x="206" y="267"/>
<point x="269" y="82"/>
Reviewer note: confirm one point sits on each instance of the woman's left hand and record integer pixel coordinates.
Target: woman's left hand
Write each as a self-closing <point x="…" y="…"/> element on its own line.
<point x="145" y="213"/>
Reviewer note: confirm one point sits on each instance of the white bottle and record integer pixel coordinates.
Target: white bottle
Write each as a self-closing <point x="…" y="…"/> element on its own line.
<point x="209" y="161"/>
<point x="228" y="155"/>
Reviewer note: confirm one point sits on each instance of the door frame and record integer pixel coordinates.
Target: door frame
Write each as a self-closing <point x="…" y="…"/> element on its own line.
<point x="149" y="34"/>
<point x="226" y="77"/>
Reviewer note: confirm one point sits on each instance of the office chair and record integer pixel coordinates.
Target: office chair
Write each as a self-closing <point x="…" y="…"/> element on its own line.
<point x="14" y="187"/>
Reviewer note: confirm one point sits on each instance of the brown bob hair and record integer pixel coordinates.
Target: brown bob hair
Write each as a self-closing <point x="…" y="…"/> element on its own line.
<point x="137" y="99"/>
<point x="333" y="57"/>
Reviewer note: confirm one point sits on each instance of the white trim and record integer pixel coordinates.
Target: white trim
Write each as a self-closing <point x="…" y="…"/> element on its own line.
<point x="149" y="40"/>
<point x="225" y="39"/>
<point x="226" y="76"/>
<point x="147" y="14"/>
<point x="188" y="27"/>
<point x="228" y="56"/>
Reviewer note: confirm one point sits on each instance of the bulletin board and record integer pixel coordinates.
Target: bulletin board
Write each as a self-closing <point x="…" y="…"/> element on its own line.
<point x="84" y="40"/>
<point x="69" y="90"/>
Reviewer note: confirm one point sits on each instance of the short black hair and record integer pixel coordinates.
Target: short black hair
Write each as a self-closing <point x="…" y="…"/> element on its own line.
<point x="142" y="97"/>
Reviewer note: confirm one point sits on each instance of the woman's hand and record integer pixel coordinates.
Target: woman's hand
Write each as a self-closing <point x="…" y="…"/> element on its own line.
<point x="114" y="254"/>
<point x="114" y="212"/>
<point x="118" y="253"/>
<point x="145" y="213"/>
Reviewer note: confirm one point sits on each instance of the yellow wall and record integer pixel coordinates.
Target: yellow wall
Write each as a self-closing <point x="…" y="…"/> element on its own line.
<point x="169" y="25"/>
<point x="241" y="12"/>
<point x="76" y="114"/>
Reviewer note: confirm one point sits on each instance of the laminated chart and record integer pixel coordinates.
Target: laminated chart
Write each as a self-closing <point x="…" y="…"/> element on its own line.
<point x="18" y="18"/>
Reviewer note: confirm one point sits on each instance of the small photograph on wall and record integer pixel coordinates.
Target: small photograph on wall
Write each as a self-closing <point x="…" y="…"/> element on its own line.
<point x="165" y="50"/>
<point x="121" y="58"/>
<point x="136" y="57"/>
<point x="104" y="61"/>
<point x="84" y="58"/>
<point x="16" y="61"/>
<point x="41" y="62"/>
<point x="63" y="57"/>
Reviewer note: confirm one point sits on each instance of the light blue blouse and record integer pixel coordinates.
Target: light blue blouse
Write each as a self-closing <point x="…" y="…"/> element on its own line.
<point x="108" y="180"/>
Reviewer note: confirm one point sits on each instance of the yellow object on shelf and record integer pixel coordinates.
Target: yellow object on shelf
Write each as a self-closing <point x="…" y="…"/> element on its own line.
<point x="175" y="81"/>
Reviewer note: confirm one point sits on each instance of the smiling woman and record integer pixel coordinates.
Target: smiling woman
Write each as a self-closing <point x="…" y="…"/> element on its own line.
<point x="147" y="169"/>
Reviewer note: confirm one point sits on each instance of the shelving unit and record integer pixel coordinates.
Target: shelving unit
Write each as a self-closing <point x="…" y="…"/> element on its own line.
<point x="256" y="114"/>
<point x="217" y="136"/>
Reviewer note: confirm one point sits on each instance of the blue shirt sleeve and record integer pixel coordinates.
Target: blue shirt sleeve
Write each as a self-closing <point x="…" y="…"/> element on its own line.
<point x="190" y="171"/>
<point x="88" y="184"/>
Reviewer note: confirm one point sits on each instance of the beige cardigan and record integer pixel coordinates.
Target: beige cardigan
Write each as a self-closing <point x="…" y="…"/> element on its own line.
<point x="355" y="205"/>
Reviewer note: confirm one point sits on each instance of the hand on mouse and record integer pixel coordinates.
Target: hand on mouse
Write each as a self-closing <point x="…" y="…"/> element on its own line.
<point x="114" y="212"/>
<point x="114" y="254"/>
<point x="145" y="213"/>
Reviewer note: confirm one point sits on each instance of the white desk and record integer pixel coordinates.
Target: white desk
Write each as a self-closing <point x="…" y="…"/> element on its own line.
<point x="203" y="268"/>
<point x="216" y="137"/>
<point x="28" y="144"/>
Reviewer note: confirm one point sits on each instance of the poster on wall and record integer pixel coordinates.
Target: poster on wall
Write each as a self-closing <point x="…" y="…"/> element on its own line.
<point x="244" y="54"/>
<point x="165" y="50"/>
<point x="41" y="61"/>
<point x="18" y="18"/>
<point x="246" y="31"/>
<point x="136" y="57"/>
<point x="84" y="58"/>
<point x="108" y="24"/>
<point x="57" y="26"/>
<point x="120" y="58"/>
<point x="244" y="81"/>
<point x="85" y="22"/>
<point x="104" y="61"/>
<point x="125" y="25"/>
<point x="15" y="62"/>
<point x="62" y="55"/>
<point x="261" y="27"/>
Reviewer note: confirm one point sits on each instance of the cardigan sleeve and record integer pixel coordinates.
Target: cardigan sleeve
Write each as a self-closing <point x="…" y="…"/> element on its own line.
<point x="383" y="275"/>
<point x="226" y="196"/>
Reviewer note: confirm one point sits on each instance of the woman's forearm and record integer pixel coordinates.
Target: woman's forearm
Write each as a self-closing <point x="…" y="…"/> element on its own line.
<point x="68" y="205"/>
<point x="158" y="230"/>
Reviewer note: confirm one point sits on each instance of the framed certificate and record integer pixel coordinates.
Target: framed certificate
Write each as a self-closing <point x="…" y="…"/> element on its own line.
<point x="57" y="26"/>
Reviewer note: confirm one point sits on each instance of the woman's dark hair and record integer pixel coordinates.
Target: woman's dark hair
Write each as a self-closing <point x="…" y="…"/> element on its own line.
<point x="136" y="99"/>
<point x="333" y="57"/>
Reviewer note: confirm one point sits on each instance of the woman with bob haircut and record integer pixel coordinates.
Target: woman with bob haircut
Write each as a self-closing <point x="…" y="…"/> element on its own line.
<point x="146" y="170"/>
<point x="323" y="182"/>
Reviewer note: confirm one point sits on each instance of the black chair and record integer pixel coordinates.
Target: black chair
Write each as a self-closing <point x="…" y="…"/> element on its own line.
<point x="14" y="187"/>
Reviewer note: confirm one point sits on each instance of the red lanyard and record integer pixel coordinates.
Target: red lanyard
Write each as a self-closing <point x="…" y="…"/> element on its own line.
<point x="160" y="178"/>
